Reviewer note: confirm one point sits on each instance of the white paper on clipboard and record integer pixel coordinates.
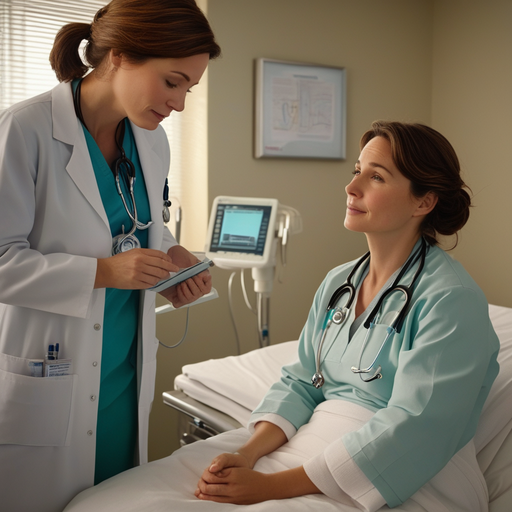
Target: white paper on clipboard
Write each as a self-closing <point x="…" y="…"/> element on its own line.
<point x="182" y="275"/>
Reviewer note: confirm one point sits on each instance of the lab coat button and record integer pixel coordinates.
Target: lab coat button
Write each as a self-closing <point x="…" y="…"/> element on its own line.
<point x="95" y="363"/>
<point x="93" y="397"/>
<point x="89" y="432"/>
<point x="97" y="327"/>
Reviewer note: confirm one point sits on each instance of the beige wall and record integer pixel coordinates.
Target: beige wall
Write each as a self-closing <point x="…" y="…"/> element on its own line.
<point x="472" y="106"/>
<point x="445" y="63"/>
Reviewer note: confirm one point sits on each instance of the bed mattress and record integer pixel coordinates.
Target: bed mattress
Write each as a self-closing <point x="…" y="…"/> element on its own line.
<point x="235" y="385"/>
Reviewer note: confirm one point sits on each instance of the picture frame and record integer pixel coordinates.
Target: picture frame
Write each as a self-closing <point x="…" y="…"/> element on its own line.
<point x="300" y="110"/>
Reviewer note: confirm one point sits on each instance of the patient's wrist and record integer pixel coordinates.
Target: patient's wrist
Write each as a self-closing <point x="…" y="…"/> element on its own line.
<point x="251" y="461"/>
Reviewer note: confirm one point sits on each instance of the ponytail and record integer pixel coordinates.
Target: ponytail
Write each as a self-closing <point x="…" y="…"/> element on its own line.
<point x="64" y="57"/>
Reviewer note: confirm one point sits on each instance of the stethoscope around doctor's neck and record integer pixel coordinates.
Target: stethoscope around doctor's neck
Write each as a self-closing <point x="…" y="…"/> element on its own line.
<point x="124" y="167"/>
<point x="338" y="315"/>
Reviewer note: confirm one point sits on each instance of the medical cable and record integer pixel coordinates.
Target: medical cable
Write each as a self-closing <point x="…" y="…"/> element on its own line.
<point x="261" y="310"/>
<point x="230" y="301"/>
<point x="244" y="292"/>
<point x="183" y="337"/>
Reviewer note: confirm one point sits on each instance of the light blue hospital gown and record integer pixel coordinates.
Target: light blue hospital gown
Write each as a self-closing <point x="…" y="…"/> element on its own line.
<point x="437" y="373"/>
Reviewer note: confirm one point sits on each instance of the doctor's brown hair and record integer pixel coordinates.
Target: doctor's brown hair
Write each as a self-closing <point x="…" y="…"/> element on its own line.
<point x="137" y="29"/>
<point x="429" y="162"/>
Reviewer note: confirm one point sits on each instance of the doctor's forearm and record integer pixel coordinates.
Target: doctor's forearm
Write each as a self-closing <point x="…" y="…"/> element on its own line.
<point x="101" y="280"/>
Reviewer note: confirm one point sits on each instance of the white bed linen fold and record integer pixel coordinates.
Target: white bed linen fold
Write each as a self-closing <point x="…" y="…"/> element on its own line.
<point x="223" y="376"/>
<point x="205" y="395"/>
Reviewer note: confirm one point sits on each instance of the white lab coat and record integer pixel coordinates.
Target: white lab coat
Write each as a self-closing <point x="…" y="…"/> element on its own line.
<point x="53" y="228"/>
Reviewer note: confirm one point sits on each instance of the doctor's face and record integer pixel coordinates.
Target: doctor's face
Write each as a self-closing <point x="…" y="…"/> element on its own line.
<point x="147" y="93"/>
<point x="379" y="198"/>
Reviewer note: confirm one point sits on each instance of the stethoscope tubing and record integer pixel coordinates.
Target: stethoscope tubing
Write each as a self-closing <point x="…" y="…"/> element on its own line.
<point x="124" y="241"/>
<point x="129" y="240"/>
<point x="418" y="256"/>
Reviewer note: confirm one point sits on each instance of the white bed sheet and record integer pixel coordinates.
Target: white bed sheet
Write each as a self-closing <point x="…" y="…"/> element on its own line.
<point x="236" y="384"/>
<point x="169" y="484"/>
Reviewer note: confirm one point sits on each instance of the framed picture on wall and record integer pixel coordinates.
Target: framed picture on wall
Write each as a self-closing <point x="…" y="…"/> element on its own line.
<point x="300" y="110"/>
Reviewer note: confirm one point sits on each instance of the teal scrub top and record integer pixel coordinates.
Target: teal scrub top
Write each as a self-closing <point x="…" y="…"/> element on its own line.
<point x="436" y="375"/>
<point x="116" y="436"/>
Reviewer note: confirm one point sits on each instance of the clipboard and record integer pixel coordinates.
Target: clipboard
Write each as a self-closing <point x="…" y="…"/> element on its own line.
<point x="184" y="274"/>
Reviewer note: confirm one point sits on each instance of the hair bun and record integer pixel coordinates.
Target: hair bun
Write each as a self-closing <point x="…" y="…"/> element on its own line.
<point x="451" y="213"/>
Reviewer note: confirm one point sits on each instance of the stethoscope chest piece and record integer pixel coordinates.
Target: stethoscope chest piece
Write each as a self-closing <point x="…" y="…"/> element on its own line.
<point x="166" y="213"/>
<point x="123" y="243"/>
<point x="339" y="315"/>
<point x="317" y="380"/>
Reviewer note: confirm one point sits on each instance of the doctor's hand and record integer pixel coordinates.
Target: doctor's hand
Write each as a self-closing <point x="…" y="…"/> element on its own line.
<point x="192" y="289"/>
<point x="136" y="269"/>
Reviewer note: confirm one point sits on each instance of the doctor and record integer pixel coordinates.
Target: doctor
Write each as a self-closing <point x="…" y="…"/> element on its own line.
<point x="63" y="277"/>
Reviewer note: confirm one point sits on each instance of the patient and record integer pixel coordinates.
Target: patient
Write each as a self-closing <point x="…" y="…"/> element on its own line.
<point x="401" y="419"/>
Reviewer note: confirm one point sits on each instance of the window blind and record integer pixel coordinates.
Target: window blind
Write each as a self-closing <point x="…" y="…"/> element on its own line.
<point x="27" y="32"/>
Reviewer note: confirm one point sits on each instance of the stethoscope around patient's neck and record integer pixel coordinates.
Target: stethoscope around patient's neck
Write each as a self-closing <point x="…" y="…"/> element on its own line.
<point x="338" y="315"/>
<point x="123" y="168"/>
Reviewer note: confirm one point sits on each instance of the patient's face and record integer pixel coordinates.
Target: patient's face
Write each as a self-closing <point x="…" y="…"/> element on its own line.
<point x="379" y="198"/>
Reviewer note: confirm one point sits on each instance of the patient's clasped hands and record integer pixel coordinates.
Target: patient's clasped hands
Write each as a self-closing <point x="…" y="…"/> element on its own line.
<point x="231" y="479"/>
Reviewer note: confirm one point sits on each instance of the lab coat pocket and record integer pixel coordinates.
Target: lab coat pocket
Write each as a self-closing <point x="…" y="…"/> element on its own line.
<point x="35" y="411"/>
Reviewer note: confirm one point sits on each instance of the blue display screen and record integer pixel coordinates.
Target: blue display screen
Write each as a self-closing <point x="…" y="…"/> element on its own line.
<point x="240" y="228"/>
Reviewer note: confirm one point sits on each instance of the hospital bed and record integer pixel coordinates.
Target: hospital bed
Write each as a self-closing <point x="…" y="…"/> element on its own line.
<point x="217" y="396"/>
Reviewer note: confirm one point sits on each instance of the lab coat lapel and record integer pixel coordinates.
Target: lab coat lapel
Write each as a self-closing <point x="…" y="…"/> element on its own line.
<point x="152" y="167"/>
<point x="67" y="129"/>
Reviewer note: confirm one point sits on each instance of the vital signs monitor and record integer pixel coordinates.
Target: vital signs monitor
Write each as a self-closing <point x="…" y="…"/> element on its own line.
<point x="242" y="232"/>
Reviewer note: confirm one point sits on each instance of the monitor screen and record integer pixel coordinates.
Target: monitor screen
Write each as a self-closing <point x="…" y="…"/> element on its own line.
<point x="241" y="230"/>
